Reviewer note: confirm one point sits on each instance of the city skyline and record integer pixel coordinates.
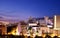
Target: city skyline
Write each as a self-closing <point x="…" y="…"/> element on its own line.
<point x="22" y="9"/>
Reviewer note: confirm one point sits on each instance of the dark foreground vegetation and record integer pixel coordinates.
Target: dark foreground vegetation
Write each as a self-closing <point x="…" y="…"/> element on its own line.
<point x="22" y="36"/>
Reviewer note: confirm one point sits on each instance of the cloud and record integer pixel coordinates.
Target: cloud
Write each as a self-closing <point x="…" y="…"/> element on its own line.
<point x="7" y="17"/>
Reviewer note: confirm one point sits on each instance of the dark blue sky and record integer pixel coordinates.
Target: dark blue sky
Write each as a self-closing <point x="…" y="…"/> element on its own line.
<point x="22" y="9"/>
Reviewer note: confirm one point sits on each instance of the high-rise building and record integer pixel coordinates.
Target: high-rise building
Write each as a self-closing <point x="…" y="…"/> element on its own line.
<point x="57" y="22"/>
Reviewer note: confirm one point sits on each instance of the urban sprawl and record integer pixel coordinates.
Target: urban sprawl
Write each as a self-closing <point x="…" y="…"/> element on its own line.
<point x="45" y="27"/>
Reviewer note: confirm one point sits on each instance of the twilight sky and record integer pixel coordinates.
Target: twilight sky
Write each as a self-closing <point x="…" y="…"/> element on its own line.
<point x="22" y="9"/>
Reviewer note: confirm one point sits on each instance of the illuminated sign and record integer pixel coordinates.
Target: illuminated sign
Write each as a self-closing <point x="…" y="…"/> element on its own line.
<point x="32" y="24"/>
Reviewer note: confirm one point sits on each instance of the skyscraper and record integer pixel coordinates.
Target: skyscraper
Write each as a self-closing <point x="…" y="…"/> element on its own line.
<point x="57" y="22"/>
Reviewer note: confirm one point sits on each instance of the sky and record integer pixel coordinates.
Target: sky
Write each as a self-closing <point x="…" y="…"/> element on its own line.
<point x="22" y="9"/>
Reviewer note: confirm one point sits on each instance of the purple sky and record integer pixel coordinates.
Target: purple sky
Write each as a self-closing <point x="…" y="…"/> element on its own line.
<point x="22" y="9"/>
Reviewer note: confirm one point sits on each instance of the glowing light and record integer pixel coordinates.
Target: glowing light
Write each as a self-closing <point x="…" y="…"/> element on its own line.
<point x="52" y="35"/>
<point x="32" y="24"/>
<point x="14" y="32"/>
<point x="55" y="22"/>
<point x="59" y="36"/>
<point x="49" y="26"/>
<point x="43" y="35"/>
<point x="17" y="33"/>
